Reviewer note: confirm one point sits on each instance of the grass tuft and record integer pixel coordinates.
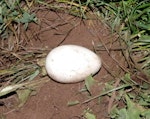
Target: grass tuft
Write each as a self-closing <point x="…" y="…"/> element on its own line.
<point x="130" y="19"/>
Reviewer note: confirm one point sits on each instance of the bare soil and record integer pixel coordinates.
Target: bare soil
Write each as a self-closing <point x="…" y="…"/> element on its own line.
<point x="51" y="100"/>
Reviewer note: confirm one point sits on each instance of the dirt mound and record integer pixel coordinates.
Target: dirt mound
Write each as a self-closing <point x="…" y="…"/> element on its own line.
<point x="51" y="100"/>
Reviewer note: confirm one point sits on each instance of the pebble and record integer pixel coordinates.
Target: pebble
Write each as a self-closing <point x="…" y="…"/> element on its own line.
<point x="72" y="63"/>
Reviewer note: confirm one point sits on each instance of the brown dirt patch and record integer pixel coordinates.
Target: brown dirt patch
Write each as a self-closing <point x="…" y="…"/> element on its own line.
<point x="51" y="100"/>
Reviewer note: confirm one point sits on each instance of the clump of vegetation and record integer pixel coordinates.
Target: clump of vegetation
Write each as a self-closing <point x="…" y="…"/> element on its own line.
<point x="12" y="13"/>
<point x="18" y="67"/>
<point x="130" y="19"/>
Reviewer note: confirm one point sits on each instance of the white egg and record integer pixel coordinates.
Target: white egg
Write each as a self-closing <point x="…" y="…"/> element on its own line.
<point x="71" y="63"/>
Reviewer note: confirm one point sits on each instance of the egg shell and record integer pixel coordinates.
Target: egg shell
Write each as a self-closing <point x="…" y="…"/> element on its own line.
<point x="71" y="63"/>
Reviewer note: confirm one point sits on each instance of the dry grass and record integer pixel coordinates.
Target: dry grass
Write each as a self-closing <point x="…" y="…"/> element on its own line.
<point x="19" y="66"/>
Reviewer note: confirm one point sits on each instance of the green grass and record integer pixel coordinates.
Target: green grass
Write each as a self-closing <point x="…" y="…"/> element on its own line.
<point x="13" y="13"/>
<point x="18" y="69"/>
<point x="130" y="19"/>
<point x="20" y="76"/>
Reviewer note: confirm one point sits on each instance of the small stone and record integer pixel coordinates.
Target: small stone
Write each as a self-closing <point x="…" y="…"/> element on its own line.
<point x="72" y="63"/>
